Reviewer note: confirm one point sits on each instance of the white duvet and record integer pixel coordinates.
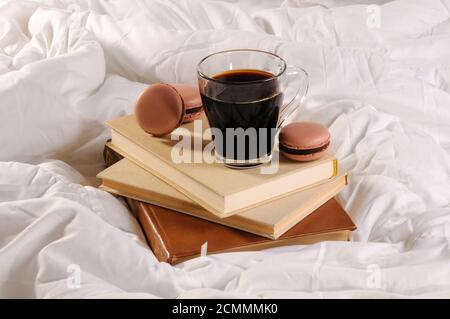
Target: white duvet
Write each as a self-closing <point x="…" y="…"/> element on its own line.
<point x="380" y="79"/>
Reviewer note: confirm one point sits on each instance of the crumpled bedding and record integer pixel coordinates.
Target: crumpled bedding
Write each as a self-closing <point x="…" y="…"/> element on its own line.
<point x="380" y="79"/>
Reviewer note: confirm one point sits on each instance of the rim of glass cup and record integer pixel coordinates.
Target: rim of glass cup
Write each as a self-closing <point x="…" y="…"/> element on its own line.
<point x="274" y="77"/>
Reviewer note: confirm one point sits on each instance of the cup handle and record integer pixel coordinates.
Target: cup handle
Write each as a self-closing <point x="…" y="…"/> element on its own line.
<point x="302" y="78"/>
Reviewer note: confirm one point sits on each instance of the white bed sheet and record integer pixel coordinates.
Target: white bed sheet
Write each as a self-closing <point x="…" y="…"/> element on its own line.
<point x="384" y="91"/>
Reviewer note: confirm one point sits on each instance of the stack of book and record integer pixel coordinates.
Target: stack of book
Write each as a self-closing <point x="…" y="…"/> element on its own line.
<point x="194" y="207"/>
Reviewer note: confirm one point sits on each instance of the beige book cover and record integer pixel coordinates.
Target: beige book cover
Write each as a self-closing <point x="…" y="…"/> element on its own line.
<point x="220" y="190"/>
<point x="271" y="219"/>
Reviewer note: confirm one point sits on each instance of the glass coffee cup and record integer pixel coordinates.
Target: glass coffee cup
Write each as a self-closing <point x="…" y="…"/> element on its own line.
<point x="243" y="93"/>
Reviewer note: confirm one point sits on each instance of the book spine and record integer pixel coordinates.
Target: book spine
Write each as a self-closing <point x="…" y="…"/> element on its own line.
<point x="140" y="210"/>
<point x="110" y="156"/>
<point x="153" y="232"/>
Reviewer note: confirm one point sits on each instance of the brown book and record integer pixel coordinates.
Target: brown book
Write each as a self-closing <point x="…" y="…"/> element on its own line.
<point x="176" y="237"/>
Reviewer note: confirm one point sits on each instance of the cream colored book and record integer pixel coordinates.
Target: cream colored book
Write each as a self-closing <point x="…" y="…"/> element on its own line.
<point x="220" y="190"/>
<point x="270" y="220"/>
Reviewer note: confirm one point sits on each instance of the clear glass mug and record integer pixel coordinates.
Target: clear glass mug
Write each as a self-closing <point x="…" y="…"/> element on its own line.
<point x="243" y="94"/>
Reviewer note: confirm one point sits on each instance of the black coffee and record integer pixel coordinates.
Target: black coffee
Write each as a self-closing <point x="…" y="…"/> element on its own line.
<point x="238" y="101"/>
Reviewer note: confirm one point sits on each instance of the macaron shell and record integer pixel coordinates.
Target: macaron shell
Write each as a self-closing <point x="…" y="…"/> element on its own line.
<point x="191" y="98"/>
<point x="159" y="109"/>
<point x="189" y="93"/>
<point x="304" y="136"/>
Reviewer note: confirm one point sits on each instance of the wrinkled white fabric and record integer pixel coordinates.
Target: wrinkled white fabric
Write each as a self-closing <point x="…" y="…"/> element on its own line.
<point x="383" y="88"/>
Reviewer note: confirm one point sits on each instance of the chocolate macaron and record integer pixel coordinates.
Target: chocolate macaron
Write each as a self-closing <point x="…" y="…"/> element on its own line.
<point x="304" y="141"/>
<point x="192" y="101"/>
<point x="162" y="107"/>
